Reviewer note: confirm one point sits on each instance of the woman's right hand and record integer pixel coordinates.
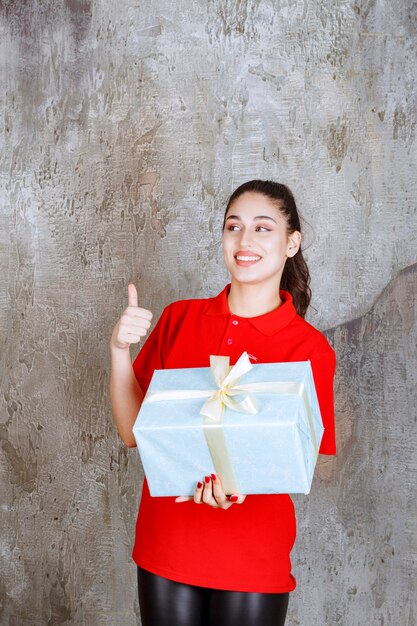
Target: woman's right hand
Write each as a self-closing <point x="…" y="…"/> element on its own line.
<point x="133" y="324"/>
<point x="210" y="491"/>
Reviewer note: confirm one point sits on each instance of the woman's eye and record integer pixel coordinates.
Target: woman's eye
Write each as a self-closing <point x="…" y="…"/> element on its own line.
<point x="262" y="229"/>
<point x="233" y="227"/>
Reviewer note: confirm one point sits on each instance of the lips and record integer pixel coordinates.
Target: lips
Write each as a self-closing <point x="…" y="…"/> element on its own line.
<point x="245" y="259"/>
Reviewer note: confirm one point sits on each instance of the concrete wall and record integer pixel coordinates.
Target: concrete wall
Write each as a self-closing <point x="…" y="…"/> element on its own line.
<point x="125" y="126"/>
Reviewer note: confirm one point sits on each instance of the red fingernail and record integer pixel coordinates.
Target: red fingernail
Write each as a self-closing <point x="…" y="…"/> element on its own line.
<point x="199" y="485"/>
<point x="213" y="476"/>
<point x="207" y="479"/>
<point x="233" y="498"/>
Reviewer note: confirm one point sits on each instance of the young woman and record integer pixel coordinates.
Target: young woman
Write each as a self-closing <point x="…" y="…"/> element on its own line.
<point x="215" y="559"/>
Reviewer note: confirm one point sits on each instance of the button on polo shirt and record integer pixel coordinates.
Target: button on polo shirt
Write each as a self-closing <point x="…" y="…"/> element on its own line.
<point x="246" y="547"/>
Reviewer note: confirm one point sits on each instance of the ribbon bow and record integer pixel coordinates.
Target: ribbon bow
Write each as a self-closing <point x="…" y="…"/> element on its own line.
<point x="229" y="393"/>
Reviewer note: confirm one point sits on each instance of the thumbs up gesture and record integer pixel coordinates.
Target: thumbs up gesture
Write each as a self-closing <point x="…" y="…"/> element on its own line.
<point x="133" y="324"/>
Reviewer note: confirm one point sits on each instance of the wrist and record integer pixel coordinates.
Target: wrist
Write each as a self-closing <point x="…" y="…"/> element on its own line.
<point x="119" y="351"/>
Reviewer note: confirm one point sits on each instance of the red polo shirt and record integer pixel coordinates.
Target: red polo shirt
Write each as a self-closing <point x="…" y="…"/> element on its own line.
<point x="246" y="547"/>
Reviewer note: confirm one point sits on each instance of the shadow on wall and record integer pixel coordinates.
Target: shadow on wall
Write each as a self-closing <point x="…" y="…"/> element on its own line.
<point x="360" y="531"/>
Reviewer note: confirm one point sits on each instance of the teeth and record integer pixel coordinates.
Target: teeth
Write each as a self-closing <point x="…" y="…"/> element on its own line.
<point x="248" y="258"/>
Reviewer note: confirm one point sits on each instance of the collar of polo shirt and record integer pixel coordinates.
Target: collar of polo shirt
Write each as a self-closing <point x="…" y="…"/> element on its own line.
<point x="268" y="323"/>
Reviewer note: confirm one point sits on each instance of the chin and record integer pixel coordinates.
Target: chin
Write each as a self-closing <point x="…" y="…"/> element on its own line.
<point x="245" y="278"/>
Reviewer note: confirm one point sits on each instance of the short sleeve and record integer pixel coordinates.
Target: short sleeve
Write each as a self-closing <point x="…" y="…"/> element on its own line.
<point x="324" y="365"/>
<point x="151" y="357"/>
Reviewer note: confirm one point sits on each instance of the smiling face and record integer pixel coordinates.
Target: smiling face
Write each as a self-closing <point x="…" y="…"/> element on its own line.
<point x="256" y="242"/>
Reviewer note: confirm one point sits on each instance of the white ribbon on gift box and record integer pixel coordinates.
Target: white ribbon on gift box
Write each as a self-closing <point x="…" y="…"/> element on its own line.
<point x="236" y="397"/>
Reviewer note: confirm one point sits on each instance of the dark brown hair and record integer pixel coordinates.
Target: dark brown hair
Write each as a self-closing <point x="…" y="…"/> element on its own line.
<point x="295" y="277"/>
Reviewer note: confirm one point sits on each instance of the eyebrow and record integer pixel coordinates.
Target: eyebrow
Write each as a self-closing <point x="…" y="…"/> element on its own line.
<point x="258" y="217"/>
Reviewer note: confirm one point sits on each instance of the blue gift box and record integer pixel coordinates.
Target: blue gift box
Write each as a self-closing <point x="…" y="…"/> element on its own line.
<point x="260" y="430"/>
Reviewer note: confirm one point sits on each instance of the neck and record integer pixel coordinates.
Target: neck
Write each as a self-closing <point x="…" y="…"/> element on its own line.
<point x="247" y="300"/>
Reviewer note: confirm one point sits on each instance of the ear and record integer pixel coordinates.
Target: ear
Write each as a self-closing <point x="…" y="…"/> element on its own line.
<point x="294" y="242"/>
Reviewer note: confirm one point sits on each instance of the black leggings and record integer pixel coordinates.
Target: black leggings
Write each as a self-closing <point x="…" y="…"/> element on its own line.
<point x="165" y="602"/>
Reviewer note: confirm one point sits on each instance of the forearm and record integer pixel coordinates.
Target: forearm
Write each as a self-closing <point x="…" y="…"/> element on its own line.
<point x="125" y="393"/>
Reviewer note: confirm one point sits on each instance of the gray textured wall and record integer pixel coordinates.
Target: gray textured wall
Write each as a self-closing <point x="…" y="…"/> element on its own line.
<point x="125" y="126"/>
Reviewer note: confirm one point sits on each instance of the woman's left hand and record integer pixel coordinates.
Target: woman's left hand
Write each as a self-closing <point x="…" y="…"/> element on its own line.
<point x="210" y="491"/>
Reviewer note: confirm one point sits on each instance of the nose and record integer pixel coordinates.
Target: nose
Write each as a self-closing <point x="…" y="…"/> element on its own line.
<point x="246" y="238"/>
